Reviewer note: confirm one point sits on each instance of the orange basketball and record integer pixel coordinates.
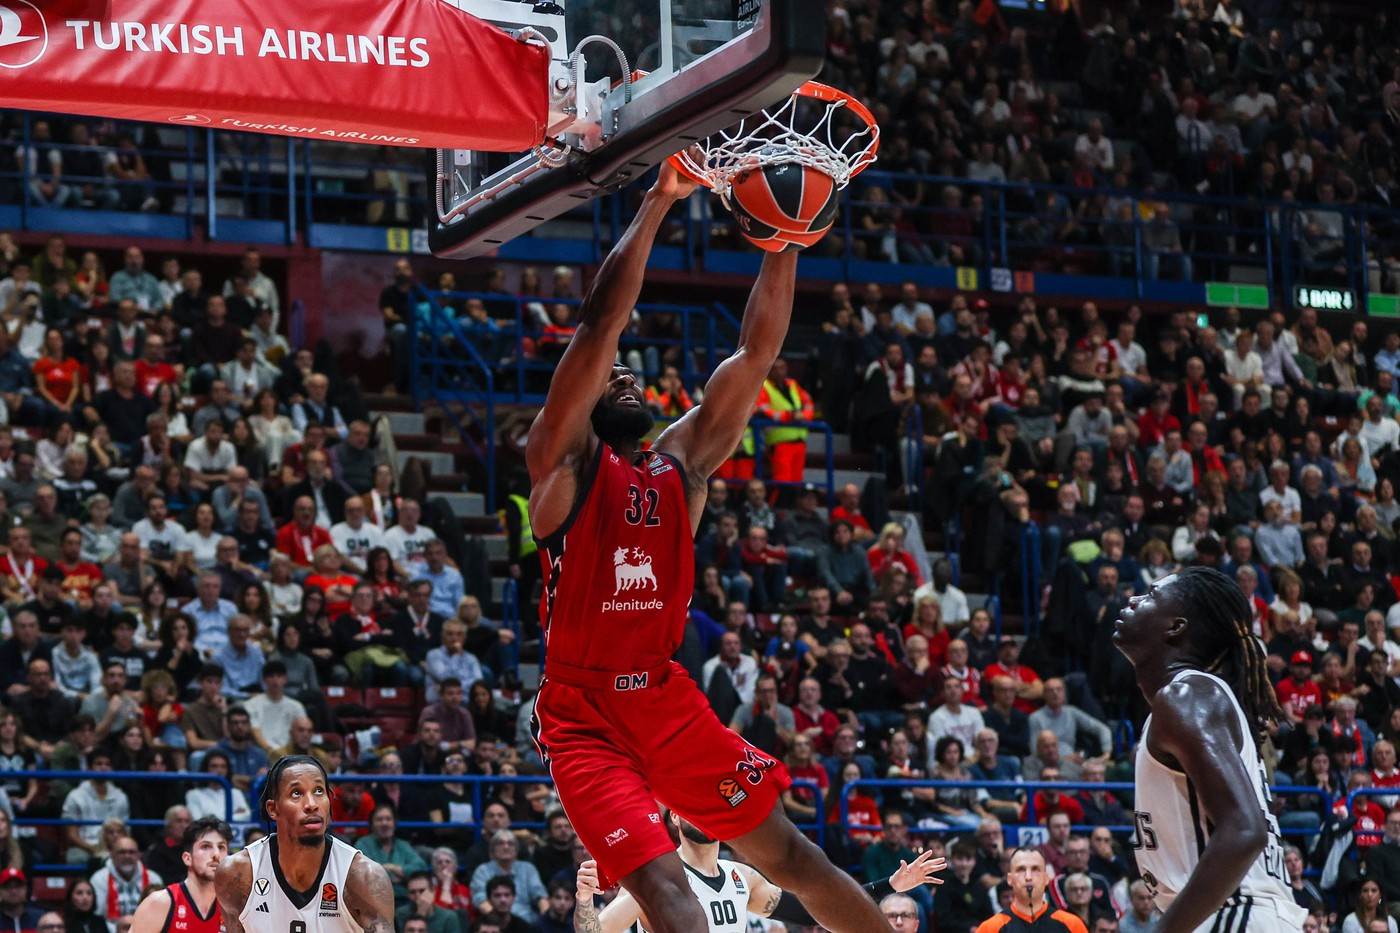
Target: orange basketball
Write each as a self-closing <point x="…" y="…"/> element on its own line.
<point x="783" y="207"/>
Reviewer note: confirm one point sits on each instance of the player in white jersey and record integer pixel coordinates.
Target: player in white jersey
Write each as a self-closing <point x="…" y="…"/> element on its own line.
<point x="1207" y="845"/>
<point x="728" y="892"/>
<point x="300" y="877"/>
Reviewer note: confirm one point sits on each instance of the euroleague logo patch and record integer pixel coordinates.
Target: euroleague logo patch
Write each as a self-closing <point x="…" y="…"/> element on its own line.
<point x="330" y="900"/>
<point x="731" y="792"/>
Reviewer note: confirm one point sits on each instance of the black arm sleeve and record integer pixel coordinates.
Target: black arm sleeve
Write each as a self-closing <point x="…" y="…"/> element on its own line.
<point x="790" y="909"/>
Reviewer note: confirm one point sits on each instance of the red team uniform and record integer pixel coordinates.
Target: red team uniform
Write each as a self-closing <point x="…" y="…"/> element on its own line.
<point x="619" y="724"/>
<point x="184" y="916"/>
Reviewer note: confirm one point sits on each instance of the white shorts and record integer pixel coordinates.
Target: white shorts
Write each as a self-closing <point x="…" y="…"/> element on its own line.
<point x="1254" y="914"/>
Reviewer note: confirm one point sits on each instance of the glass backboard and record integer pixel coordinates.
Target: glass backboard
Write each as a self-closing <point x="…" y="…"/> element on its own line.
<point x="663" y="74"/>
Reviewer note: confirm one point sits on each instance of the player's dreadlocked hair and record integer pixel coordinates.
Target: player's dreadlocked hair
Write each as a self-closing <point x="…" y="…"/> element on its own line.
<point x="273" y="781"/>
<point x="1220" y="619"/>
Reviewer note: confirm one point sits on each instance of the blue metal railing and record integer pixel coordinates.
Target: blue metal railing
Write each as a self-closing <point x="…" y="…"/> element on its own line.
<point x="250" y="188"/>
<point x="1030" y="578"/>
<point x="510" y="618"/>
<point x="1028" y="789"/>
<point x="513" y="338"/>
<point x="481" y="783"/>
<point x="113" y="777"/>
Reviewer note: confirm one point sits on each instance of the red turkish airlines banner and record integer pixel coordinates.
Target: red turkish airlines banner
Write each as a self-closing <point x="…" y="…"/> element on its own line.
<point x="382" y="72"/>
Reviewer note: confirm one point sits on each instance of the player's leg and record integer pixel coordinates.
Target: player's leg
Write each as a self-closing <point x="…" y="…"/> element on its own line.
<point x="668" y="903"/>
<point x="792" y="862"/>
<point x="612" y="807"/>
<point x="732" y="791"/>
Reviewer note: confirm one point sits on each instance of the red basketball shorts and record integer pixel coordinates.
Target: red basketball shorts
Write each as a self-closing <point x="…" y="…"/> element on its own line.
<point x="616" y="751"/>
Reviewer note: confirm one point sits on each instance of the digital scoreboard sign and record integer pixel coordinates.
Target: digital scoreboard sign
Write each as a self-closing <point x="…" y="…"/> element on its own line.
<point x="1324" y="299"/>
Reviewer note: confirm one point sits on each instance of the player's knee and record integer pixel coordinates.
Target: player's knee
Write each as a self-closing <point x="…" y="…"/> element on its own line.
<point x="665" y="897"/>
<point x="793" y="862"/>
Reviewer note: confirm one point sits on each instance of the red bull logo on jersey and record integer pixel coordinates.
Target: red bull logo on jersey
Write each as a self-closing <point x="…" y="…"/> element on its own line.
<point x="632" y="570"/>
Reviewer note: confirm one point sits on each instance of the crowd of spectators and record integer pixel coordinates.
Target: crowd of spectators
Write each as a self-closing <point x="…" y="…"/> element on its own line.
<point x="201" y="536"/>
<point x="1256" y="100"/>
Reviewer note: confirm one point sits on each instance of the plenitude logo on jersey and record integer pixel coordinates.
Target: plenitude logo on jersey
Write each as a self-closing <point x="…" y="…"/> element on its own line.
<point x="632" y="571"/>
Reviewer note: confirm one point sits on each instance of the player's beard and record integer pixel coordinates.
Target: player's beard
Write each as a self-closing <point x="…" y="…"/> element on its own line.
<point x="693" y="833"/>
<point x="311" y="840"/>
<point x="614" y="424"/>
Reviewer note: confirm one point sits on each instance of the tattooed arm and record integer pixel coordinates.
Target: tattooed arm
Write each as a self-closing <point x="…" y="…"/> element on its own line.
<point x="614" y="918"/>
<point x="369" y="896"/>
<point x="232" y="882"/>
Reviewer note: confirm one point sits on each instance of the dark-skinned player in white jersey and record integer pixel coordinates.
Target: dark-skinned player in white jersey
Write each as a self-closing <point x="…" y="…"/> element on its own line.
<point x="620" y="725"/>
<point x="300" y="877"/>
<point x="1207" y="845"/>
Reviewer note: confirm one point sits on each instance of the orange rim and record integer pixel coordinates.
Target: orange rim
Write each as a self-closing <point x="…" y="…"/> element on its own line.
<point x="817" y="91"/>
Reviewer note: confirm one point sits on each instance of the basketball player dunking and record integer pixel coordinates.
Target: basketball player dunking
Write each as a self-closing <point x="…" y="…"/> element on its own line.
<point x="727" y="891"/>
<point x="1207" y="845"/>
<point x="190" y="906"/>
<point x="301" y="878"/>
<point x="620" y="725"/>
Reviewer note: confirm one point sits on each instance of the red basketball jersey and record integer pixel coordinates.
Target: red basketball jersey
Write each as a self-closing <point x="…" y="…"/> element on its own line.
<point x="620" y="572"/>
<point x="184" y="916"/>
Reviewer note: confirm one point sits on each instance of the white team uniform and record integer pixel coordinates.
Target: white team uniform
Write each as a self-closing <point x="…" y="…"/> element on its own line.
<point x="1172" y="833"/>
<point x="723" y="898"/>
<point x="273" y="905"/>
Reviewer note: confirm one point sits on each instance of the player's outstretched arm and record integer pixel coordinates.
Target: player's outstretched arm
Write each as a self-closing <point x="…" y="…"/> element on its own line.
<point x="766" y="899"/>
<point x="1195" y="722"/>
<point x="232" y="882"/>
<point x="614" y="918"/>
<point x="151" y="913"/>
<point x="369" y="896"/>
<point x="561" y="434"/>
<point x="706" y="436"/>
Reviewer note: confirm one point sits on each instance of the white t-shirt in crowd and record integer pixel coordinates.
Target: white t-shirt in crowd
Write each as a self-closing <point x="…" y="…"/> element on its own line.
<point x="163" y="543"/>
<point x="356" y="543"/>
<point x="404" y="547"/>
<point x="273" y="719"/>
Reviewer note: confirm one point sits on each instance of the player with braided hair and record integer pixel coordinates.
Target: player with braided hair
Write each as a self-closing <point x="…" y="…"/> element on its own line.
<point x="1207" y="844"/>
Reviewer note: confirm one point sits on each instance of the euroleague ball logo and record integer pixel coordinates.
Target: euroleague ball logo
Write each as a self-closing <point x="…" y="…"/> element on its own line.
<point x="24" y="36"/>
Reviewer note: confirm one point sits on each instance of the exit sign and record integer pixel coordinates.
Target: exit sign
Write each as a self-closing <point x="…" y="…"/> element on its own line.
<point x="1324" y="299"/>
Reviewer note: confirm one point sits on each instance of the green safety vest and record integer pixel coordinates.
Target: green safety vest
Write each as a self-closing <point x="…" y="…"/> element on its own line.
<point x="780" y="401"/>
<point x="527" y="539"/>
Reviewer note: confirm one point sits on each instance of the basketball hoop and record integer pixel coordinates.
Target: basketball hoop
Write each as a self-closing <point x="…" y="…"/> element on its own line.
<point x="771" y="137"/>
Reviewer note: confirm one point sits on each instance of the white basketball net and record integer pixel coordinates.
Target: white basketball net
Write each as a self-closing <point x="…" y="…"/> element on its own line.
<point x="770" y="138"/>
